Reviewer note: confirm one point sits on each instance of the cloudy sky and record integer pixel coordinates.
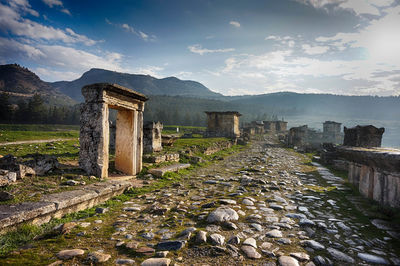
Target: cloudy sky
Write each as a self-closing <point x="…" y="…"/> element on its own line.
<point x="232" y="47"/>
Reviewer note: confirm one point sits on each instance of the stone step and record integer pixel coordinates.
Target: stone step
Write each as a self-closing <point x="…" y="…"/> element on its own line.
<point x="58" y="204"/>
<point x="170" y="168"/>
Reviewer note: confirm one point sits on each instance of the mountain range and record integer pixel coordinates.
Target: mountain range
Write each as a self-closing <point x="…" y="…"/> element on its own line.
<point x="20" y="82"/>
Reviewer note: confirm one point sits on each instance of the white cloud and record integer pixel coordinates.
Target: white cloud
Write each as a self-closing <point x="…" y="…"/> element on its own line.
<point x="359" y="7"/>
<point x="66" y="11"/>
<point x="11" y="47"/>
<point x="12" y="22"/>
<point x="198" y="49"/>
<point x="51" y="74"/>
<point x="234" y="23"/>
<point x="52" y="3"/>
<point x="24" y="6"/>
<point x="314" y="50"/>
<point x="129" y="28"/>
<point x="149" y="70"/>
<point x="380" y="39"/>
<point x="57" y="3"/>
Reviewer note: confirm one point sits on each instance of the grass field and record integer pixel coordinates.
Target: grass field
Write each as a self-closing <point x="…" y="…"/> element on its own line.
<point x="16" y="132"/>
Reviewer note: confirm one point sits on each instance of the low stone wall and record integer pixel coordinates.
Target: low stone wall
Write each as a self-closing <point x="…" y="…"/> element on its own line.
<point x="375" y="172"/>
<point x="218" y="147"/>
<point x="169" y="157"/>
<point x="59" y="204"/>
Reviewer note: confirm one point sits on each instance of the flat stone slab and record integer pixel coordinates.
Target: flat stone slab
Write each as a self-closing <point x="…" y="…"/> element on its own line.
<point x="66" y="199"/>
<point x="18" y="213"/>
<point x="170" y="168"/>
<point x="11" y="215"/>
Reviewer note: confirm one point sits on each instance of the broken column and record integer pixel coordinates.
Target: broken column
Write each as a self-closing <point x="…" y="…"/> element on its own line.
<point x="94" y="130"/>
<point x="152" y="141"/>
<point x="363" y="136"/>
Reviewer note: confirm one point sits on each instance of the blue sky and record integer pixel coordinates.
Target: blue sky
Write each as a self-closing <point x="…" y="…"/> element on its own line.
<point x="346" y="47"/>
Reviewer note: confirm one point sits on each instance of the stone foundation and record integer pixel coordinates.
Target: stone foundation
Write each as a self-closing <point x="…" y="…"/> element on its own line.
<point x="375" y="172"/>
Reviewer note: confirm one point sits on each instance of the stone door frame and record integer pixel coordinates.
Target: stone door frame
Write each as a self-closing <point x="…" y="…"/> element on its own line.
<point x="95" y="133"/>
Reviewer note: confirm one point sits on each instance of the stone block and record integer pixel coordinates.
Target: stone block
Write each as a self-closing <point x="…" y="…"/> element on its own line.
<point x="170" y="168"/>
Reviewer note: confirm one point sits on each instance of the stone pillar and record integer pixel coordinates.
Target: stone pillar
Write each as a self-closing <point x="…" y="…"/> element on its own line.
<point x="94" y="139"/>
<point x="139" y="137"/>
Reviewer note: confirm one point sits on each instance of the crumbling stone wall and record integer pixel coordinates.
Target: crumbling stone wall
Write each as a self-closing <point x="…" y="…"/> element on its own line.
<point x="152" y="141"/>
<point x="94" y="129"/>
<point x="363" y="136"/>
<point x="223" y="124"/>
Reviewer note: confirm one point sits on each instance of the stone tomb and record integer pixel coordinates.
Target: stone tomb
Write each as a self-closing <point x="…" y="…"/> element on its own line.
<point x="94" y="129"/>
<point x="363" y="136"/>
<point x="223" y="124"/>
<point x="152" y="141"/>
<point x="331" y="132"/>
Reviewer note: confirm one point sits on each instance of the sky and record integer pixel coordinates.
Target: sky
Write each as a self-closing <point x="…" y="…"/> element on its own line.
<point x="348" y="47"/>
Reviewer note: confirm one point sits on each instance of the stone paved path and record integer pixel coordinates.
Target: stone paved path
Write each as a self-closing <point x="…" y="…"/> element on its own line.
<point x="263" y="206"/>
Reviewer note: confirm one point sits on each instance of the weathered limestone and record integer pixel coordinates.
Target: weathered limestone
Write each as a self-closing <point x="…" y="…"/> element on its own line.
<point x="170" y="168"/>
<point x="331" y="132"/>
<point x="297" y="136"/>
<point x="152" y="141"/>
<point x="59" y="204"/>
<point x="363" y="136"/>
<point x="223" y="124"/>
<point x="275" y="126"/>
<point x="376" y="173"/>
<point x="94" y="131"/>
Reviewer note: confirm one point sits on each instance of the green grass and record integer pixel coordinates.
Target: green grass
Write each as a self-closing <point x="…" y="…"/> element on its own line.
<point x="10" y="136"/>
<point x="38" y="127"/>
<point x="19" y="132"/>
<point x="171" y="129"/>
<point x="194" y="143"/>
<point x="64" y="150"/>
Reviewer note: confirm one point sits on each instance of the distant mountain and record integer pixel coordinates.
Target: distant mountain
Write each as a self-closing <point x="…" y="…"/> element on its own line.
<point x="291" y="104"/>
<point x="21" y="83"/>
<point x="145" y="84"/>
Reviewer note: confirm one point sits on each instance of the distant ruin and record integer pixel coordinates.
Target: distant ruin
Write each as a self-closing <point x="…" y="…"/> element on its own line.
<point x="332" y="132"/>
<point x="223" y="124"/>
<point x="94" y="129"/>
<point x="363" y="136"/>
<point x="275" y="126"/>
<point x="297" y="136"/>
<point x="152" y="140"/>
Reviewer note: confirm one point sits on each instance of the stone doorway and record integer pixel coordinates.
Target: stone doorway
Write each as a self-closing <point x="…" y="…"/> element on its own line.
<point x="94" y="129"/>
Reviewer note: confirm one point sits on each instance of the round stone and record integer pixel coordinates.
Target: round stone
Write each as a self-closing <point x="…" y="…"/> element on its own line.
<point x="70" y="253"/>
<point x="222" y="214"/>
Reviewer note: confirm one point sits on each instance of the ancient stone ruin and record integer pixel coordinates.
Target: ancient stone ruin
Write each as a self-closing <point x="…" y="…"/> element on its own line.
<point x="297" y="136"/>
<point x="152" y="141"/>
<point x="94" y="129"/>
<point x="223" y="124"/>
<point x="363" y="136"/>
<point x="331" y="132"/>
<point x="275" y="126"/>
<point x="375" y="172"/>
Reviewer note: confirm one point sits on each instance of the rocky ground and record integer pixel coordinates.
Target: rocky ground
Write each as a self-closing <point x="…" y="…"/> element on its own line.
<point x="264" y="206"/>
